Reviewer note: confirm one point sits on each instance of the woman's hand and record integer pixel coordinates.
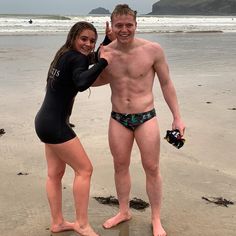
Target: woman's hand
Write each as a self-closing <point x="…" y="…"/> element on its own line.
<point x="109" y="32"/>
<point x="105" y="53"/>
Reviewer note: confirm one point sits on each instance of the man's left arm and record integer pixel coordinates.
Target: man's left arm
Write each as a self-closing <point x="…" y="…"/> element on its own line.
<point x="162" y="69"/>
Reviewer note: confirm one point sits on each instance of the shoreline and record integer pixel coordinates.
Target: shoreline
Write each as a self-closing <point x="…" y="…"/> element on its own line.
<point x="102" y="33"/>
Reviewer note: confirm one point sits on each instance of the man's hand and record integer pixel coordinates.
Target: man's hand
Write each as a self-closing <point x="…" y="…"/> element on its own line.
<point x="179" y="124"/>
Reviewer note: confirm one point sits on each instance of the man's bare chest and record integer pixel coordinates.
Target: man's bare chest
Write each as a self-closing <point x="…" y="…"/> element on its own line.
<point x="129" y="66"/>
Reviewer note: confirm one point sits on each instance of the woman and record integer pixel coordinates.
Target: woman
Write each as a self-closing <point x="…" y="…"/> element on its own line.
<point x="67" y="75"/>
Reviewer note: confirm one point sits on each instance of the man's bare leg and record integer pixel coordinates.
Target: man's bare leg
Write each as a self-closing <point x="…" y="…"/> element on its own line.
<point x="85" y="230"/>
<point x="117" y="219"/>
<point x="155" y="202"/>
<point x="121" y="142"/>
<point x="148" y="139"/>
<point x="65" y="226"/>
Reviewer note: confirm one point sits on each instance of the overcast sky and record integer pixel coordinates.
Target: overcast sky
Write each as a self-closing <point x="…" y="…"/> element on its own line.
<point x="67" y="7"/>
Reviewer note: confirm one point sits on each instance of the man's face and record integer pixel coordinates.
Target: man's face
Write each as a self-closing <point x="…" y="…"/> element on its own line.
<point x="124" y="26"/>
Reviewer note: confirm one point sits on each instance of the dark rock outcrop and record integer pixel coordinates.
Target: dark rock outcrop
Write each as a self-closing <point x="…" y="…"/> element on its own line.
<point x="194" y="7"/>
<point x="99" y="10"/>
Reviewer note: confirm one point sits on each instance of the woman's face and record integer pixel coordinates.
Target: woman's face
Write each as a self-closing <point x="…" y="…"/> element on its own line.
<point x="85" y="42"/>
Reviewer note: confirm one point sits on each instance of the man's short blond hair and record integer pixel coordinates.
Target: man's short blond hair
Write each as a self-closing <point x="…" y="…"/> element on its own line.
<point x="123" y="9"/>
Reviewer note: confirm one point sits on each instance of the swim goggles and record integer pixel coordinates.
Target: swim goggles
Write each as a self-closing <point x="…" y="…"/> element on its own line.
<point x="173" y="137"/>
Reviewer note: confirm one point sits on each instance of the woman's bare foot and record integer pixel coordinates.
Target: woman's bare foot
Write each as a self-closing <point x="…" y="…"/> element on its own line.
<point x="157" y="228"/>
<point x="117" y="219"/>
<point x="84" y="231"/>
<point x="65" y="226"/>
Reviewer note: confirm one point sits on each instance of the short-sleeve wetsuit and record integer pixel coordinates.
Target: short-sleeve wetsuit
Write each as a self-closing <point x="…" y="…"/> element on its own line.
<point x="71" y="75"/>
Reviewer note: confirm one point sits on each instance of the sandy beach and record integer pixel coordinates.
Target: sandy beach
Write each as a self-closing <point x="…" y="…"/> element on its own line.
<point x="203" y="68"/>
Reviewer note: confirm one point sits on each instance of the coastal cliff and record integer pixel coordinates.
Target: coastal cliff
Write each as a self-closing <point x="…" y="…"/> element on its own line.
<point x="99" y="10"/>
<point x="194" y="7"/>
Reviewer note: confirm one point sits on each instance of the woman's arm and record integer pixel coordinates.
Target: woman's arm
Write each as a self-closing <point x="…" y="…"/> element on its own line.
<point x="84" y="77"/>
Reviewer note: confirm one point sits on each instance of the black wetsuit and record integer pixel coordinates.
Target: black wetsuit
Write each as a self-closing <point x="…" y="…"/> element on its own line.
<point x="71" y="76"/>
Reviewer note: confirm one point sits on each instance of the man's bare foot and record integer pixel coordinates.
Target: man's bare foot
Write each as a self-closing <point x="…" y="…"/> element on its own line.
<point x="84" y="231"/>
<point x="65" y="226"/>
<point x="157" y="228"/>
<point x="117" y="219"/>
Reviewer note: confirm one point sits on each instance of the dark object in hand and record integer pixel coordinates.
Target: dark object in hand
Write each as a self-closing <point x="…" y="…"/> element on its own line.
<point x="173" y="137"/>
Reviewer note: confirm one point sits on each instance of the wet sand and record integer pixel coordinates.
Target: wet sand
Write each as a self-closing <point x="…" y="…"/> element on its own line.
<point x="203" y="69"/>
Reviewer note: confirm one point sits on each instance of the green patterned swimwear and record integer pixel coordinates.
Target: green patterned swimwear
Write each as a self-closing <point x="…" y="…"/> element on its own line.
<point x="132" y="121"/>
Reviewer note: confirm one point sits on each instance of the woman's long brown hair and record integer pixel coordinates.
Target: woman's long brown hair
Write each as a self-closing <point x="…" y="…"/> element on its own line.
<point x="75" y="31"/>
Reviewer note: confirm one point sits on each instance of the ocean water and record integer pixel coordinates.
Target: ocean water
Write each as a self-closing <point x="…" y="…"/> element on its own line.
<point x="19" y="24"/>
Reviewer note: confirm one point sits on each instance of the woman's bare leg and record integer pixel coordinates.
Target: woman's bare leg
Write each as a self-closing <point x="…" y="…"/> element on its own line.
<point x="73" y="154"/>
<point x="56" y="169"/>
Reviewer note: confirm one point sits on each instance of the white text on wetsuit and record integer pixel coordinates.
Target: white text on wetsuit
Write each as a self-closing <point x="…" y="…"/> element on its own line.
<point x="55" y="72"/>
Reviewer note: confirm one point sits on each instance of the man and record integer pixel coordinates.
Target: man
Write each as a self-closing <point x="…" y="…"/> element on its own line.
<point x="131" y="75"/>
